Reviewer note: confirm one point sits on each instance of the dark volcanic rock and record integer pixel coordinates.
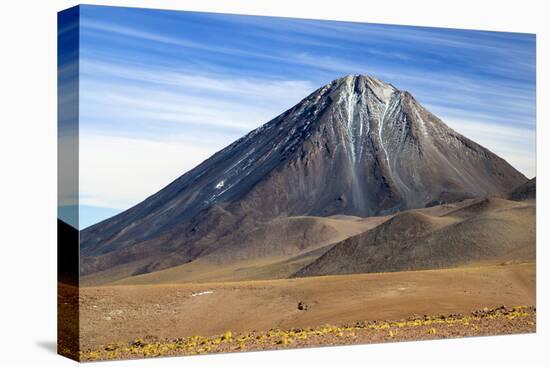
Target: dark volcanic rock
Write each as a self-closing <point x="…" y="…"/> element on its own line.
<point x="356" y="146"/>
<point x="526" y="191"/>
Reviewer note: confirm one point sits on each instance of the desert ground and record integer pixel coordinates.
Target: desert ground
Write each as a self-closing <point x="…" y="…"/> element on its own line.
<point x="500" y="320"/>
<point x="124" y="321"/>
<point x="458" y="269"/>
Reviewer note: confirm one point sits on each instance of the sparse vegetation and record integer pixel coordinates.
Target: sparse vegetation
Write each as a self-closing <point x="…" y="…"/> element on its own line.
<point x="516" y="319"/>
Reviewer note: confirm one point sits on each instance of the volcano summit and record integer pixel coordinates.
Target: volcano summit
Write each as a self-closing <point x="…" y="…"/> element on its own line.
<point x="356" y="147"/>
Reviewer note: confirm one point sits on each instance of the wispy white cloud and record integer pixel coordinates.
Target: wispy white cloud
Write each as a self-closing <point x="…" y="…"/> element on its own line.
<point x="180" y="42"/>
<point x="516" y="145"/>
<point x="167" y="97"/>
<point x="118" y="172"/>
<point x="114" y="29"/>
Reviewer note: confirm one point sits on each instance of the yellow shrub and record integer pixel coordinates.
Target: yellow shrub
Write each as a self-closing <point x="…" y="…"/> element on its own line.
<point x="227" y="335"/>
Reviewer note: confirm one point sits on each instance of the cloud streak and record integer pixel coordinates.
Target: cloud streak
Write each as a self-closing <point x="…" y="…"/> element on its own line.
<point x="514" y="144"/>
<point x="136" y="168"/>
<point x="159" y="97"/>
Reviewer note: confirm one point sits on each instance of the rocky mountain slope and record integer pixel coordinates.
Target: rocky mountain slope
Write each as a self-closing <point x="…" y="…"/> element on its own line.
<point x="526" y="191"/>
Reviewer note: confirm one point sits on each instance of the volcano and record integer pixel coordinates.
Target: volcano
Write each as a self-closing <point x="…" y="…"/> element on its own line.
<point x="355" y="148"/>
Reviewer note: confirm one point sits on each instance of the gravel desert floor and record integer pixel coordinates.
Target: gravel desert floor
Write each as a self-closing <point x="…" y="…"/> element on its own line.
<point x="190" y="318"/>
<point x="500" y="320"/>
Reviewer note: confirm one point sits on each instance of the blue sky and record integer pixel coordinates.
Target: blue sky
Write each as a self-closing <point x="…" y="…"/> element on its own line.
<point x="160" y="91"/>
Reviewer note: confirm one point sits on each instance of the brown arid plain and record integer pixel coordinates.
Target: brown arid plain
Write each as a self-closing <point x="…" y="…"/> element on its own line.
<point x="122" y="316"/>
<point x="323" y="296"/>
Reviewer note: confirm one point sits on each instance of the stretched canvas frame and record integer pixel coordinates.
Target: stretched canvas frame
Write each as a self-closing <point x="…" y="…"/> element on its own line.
<point x="353" y="214"/>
